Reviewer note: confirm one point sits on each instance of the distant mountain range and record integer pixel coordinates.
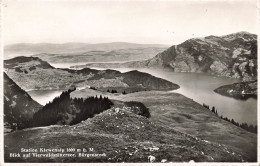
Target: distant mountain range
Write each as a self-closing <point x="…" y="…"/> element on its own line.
<point x="233" y="55"/>
<point x="28" y="49"/>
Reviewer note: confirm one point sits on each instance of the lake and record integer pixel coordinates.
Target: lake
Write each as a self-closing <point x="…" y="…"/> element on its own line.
<point x="196" y="86"/>
<point x="44" y="96"/>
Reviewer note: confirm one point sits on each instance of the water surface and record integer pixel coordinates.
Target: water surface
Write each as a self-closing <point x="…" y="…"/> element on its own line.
<point x="196" y="86"/>
<point x="44" y="96"/>
<point x="199" y="87"/>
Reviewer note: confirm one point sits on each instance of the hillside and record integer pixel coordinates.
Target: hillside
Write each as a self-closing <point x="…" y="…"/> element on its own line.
<point x="19" y="107"/>
<point x="124" y="136"/>
<point x="233" y="55"/>
<point x="66" y="50"/>
<point x="34" y="73"/>
<point x="177" y="112"/>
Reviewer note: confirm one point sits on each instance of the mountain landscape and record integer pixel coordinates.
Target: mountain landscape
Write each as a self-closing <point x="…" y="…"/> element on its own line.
<point x="130" y="82"/>
<point x="233" y="55"/>
<point x="84" y="52"/>
<point x="130" y="116"/>
<point x="34" y="73"/>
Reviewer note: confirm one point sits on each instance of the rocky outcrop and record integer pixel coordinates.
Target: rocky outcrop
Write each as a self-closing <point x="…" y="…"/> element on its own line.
<point x="233" y="55"/>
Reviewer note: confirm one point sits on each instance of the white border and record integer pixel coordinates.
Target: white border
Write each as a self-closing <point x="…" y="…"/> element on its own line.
<point x="2" y="6"/>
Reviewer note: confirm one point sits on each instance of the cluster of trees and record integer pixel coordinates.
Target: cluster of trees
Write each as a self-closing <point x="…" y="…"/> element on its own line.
<point x="250" y="128"/>
<point x="138" y="108"/>
<point x="115" y="91"/>
<point x="66" y="110"/>
<point x="112" y="91"/>
<point x="89" y="107"/>
<point x="215" y="111"/>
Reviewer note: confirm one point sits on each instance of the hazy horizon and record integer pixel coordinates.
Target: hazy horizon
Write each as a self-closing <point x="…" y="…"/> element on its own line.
<point x="140" y="22"/>
<point x="92" y="43"/>
<point x="116" y="42"/>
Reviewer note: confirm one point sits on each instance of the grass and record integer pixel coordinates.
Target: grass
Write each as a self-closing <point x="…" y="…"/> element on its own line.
<point x="177" y="112"/>
<point x="122" y="136"/>
<point x="180" y="129"/>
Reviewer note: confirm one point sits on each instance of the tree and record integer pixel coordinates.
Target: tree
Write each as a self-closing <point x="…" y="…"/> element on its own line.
<point x="213" y="109"/>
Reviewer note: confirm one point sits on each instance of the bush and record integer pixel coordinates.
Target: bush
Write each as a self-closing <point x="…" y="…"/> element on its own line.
<point x="92" y="87"/>
<point x="138" y="108"/>
<point x="32" y="68"/>
<point x="17" y="69"/>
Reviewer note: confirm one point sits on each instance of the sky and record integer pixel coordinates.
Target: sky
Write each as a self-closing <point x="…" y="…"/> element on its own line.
<point x="144" y="22"/>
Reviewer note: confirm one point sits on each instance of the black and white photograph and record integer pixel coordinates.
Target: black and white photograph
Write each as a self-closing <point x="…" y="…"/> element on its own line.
<point x="129" y="81"/>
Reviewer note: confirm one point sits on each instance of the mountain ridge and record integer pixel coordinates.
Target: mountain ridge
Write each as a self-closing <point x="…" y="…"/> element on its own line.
<point x="34" y="73"/>
<point x="233" y="55"/>
<point x="28" y="49"/>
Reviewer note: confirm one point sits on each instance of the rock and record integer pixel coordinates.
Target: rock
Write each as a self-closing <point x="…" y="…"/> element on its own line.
<point x="153" y="148"/>
<point x="117" y="110"/>
<point x="151" y="159"/>
<point x="163" y="161"/>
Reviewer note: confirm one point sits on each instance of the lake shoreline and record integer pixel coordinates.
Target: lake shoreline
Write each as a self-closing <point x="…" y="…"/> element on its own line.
<point x="200" y="88"/>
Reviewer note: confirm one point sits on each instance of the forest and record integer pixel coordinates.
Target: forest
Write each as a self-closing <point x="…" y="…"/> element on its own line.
<point x="69" y="111"/>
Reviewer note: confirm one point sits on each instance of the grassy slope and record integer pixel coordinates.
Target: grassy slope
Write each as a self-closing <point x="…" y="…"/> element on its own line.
<point x="123" y="136"/>
<point x="180" y="113"/>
